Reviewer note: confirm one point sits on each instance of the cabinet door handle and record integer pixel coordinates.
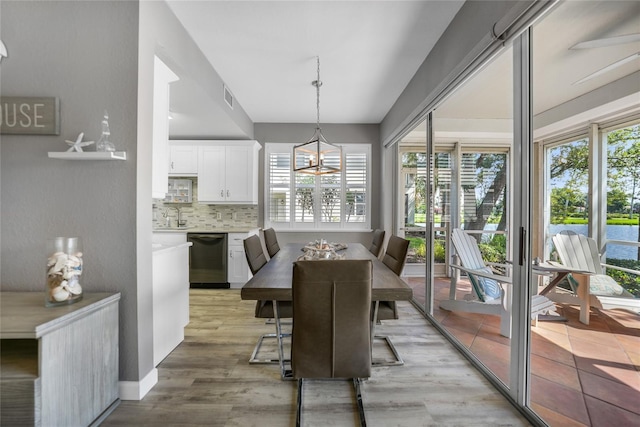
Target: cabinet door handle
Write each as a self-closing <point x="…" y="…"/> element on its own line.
<point x="221" y="193"/>
<point x="230" y="254"/>
<point x="228" y="195"/>
<point x="172" y="165"/>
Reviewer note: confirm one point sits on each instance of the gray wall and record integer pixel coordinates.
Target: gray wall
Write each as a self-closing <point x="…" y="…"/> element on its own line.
<point x="335" y="133"/>
<point x="197" y="102"/>
<point x="86" y="54"/>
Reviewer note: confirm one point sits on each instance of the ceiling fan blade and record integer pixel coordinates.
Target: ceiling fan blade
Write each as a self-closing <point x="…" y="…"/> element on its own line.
<point x="609" y="67"/>
<point x="609" y="41"/>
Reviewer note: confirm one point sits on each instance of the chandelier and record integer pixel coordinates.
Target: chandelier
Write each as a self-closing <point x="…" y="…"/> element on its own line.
<point x="317" y="156"/>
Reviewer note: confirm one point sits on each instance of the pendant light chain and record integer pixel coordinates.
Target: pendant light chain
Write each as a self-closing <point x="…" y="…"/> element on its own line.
<point x="318" y="84"/>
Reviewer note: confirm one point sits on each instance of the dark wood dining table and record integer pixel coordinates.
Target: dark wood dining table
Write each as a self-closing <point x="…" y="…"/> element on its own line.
<point x="273" y="282"/>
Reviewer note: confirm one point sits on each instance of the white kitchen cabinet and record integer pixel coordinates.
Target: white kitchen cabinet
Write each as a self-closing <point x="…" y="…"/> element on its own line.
<point x="163" y="76"/>
<point x="237" y="267"/>
<point x="170" y="292"/>
<point x="228" y="172"/>
<point x="183" y="158"/>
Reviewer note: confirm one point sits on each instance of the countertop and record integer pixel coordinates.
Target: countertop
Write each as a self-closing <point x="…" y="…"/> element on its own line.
<point x="166" y="247"/>
<point x="205" y="230"/>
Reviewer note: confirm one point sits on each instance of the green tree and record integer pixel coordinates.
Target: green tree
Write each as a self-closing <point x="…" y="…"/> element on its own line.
<point x="564" y="202"/>
<point x="624" y="163"/>
<point x="616" y="201"/>
<point x="491" y="180"/>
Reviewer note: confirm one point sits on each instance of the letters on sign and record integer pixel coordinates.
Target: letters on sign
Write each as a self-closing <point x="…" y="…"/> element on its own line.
<point x="29" y="115"/>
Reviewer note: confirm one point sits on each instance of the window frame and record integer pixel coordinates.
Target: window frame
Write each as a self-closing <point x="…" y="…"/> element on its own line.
<point x="317" y="224"/>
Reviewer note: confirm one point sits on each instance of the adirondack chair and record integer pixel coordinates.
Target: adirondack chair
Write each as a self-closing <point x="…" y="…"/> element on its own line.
<point x="581" y="253"/>
<point x="491" y="293"/>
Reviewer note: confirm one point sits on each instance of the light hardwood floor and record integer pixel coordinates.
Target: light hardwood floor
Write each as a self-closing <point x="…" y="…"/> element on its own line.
<point x="207" y="380"/>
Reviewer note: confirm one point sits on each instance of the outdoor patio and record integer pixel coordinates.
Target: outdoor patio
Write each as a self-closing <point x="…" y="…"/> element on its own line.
<point x="580" y="375"/>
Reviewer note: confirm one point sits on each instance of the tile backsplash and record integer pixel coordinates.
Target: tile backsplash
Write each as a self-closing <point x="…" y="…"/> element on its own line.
<point x="206" y="216"/>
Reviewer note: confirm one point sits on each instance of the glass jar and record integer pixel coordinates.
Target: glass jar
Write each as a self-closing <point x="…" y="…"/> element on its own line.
<point x="64" y="268"/>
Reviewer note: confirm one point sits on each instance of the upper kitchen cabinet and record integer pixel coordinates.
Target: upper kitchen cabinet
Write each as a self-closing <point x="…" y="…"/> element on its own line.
<point x="228" y="172"/>
<point x="183" y="158"/>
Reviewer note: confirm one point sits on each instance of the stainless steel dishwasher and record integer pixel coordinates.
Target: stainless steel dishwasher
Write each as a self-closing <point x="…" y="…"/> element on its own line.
<point x="208" y="260"/>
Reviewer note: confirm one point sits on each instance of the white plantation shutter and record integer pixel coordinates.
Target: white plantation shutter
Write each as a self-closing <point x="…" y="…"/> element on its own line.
<point x="279" y="197"/>
<point x="356" y="187"/>
<point x="302" y="201"/>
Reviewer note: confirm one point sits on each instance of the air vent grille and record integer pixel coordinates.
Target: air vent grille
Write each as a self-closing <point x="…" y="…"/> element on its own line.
<point x="228" y="97"/>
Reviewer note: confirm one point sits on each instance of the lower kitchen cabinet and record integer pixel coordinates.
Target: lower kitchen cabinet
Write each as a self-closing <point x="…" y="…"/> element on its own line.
<point x="238" y="269"/>
<point x="170" y="297"/>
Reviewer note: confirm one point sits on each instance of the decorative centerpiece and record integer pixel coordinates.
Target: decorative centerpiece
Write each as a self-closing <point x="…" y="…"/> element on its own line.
<point x="320" y="249"/>
<point x="64" y="268"/>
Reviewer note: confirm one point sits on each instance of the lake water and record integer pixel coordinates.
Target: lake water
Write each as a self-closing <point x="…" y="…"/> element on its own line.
<point x="614" y="232"/>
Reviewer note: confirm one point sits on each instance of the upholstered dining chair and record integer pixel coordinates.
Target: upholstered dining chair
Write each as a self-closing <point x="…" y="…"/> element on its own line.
<point x="271" y="242"/>
<point x="331" y="324"/>
<point x="377" y="242"/>
<point x="264" y="309"/>
<point x="394" y="258"/>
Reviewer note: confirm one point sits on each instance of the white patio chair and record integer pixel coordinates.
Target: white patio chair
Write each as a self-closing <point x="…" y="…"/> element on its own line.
<point x="581" y="252"/>
<point x="491" y="293"/>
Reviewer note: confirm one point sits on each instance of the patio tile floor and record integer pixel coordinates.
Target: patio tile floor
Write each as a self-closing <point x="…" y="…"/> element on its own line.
<point x="581" y="375"/>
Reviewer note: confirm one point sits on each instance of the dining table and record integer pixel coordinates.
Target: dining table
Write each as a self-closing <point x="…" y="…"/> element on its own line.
<point x="273" y="283"/>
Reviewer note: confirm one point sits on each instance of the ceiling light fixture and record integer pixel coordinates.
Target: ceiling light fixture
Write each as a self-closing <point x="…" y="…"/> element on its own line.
<point x="317" y="156"/>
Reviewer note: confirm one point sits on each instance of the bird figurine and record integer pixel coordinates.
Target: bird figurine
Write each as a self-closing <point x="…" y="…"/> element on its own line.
<point x="78" y="143"/>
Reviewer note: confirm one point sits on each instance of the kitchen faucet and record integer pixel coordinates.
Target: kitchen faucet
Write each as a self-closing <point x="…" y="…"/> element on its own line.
<point x="178" y="220"/>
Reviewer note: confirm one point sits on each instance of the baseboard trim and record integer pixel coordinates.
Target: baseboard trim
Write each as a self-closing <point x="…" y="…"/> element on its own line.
<point x="136" y="390"/>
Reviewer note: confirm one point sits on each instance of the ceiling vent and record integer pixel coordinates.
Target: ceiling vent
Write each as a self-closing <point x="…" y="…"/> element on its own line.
<point x="228" y="97"/>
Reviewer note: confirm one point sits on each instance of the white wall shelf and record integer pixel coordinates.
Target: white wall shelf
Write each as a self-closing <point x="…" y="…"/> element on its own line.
<point x="91" y="155"/>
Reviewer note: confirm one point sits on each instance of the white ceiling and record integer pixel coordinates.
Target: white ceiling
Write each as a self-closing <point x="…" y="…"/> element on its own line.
<point x="555" y="66"/>
<point x="486" y="100"/>
<point x="265" y="51"/>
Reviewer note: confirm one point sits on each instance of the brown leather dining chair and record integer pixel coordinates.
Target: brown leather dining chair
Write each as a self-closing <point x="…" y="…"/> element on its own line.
<point x="271" y="242"/>
<point x="377" y="242"/>
<point x="331" y="324"/>
<point x="264" y="308"/>
<point x="394" y="258"/>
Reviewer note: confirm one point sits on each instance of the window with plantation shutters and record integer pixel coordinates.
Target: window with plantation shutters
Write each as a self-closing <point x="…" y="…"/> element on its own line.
<point x="356" y="166"/>
<point x="301" y="201"/>
<point x="279" y="188"/>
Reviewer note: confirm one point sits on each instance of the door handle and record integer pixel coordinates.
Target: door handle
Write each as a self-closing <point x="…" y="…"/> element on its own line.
<point x="228" y="193"/>
<point x="221" y="193"/>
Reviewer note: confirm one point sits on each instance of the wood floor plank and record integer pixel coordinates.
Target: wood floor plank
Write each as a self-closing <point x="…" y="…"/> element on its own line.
<point x="207" y="380"/>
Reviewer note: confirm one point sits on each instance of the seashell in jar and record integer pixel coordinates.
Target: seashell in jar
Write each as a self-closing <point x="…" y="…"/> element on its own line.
<point x="73" y="286"/>
<point x="74" y="261"/>
<point x="53" y="258"/>
<point x="61" y="260"/>
<point x="59" y="294"/>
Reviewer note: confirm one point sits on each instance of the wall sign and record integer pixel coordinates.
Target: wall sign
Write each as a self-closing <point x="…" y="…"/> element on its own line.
<point x="21" y="115"/>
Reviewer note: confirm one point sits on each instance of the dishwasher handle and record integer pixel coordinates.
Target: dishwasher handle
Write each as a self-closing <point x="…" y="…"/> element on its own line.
<point x="206" y="237"/>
